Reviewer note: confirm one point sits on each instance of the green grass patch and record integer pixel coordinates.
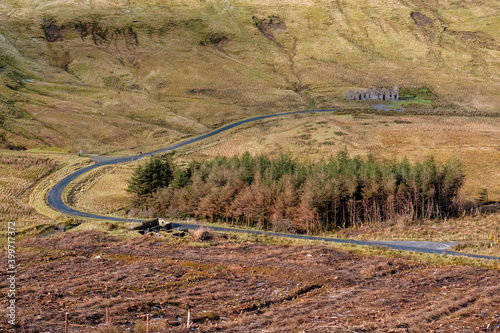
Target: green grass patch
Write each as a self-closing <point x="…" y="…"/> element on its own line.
<point x="414" y="95"/>
<point x="413" y="100"/>
<point x="48" y="150"/>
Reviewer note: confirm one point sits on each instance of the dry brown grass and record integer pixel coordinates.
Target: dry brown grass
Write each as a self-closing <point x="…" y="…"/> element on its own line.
<point x="25" y="178"/>
<point x="102" y="190"/>
<point x="116" y="95"/>
<point x="19" y="174"/>
<point x="203" y="234"/>
<point x="242" y="285"/>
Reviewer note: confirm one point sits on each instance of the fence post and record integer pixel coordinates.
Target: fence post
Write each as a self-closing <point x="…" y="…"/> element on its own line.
<point x="188" y="323"/>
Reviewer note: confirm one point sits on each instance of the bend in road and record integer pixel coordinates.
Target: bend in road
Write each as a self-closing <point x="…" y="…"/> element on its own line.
<point x="54" y="199"/>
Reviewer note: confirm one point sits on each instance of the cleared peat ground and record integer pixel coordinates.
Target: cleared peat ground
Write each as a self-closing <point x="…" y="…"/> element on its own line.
<point x="241" y="286"/>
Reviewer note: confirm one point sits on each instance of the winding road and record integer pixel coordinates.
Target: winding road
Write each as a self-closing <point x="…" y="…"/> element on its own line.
<point x="54" y="199"/>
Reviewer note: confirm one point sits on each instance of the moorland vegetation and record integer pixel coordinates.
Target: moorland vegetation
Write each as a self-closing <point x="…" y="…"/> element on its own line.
<point x="111" y="76"/>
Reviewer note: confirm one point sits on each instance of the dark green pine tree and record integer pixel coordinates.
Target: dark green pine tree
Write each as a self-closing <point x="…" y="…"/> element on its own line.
<point x="247" y="168"/>
<point x="181" y="178"/>
<point x="155" y="173"/>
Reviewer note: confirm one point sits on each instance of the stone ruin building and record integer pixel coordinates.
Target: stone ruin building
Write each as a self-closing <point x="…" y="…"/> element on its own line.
<point x="374" y="94"/>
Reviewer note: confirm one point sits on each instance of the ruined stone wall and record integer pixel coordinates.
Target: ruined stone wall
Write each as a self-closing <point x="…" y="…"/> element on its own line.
<point x="374" y="94"/>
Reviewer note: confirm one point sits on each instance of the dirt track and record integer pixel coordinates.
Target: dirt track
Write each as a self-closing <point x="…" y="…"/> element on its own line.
<point x="242" y="287"/>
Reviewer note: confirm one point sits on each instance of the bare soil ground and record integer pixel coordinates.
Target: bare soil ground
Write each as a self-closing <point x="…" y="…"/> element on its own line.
<point x="236" y="286"/>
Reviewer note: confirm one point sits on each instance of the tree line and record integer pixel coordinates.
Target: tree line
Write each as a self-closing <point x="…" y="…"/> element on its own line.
<point x="283" y="194"/>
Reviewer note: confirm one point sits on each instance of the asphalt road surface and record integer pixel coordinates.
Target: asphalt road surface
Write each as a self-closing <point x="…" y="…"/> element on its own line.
<point x="54" y="199"/>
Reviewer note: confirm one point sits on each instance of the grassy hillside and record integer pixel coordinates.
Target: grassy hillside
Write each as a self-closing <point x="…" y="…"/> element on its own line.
<point x="107" y="75"/>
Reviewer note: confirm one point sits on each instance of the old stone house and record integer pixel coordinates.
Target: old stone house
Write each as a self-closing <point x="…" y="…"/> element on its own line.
<point x="374" y="94"/>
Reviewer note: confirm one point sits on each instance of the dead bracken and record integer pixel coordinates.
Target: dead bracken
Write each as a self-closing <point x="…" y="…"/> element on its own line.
<point x="235" y="286"/>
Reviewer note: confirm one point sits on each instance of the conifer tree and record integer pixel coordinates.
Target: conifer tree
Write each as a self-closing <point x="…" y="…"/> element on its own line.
<point x="155" y="173"/>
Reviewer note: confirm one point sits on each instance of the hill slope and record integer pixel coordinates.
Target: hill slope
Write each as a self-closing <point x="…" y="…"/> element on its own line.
<point x="105" y="75"/>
